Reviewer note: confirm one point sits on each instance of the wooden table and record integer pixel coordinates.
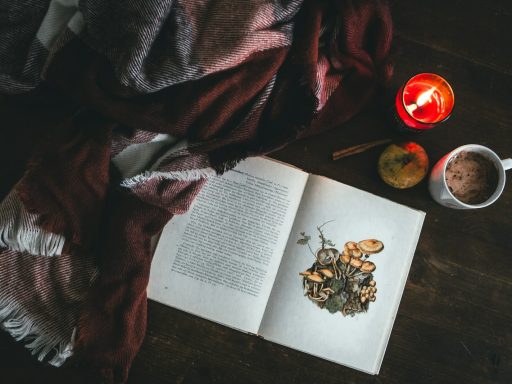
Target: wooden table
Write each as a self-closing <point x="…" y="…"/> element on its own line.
<point x="454" y="324"/>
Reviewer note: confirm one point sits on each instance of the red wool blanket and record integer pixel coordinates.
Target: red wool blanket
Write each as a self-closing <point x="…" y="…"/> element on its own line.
<point x="140" y="103"/>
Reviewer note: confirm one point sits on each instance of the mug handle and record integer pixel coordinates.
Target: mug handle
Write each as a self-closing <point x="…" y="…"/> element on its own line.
<point x="507" y="164"/>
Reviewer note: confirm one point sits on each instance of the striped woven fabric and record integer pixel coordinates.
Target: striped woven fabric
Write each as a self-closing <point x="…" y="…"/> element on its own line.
<point x="156" y="97"/>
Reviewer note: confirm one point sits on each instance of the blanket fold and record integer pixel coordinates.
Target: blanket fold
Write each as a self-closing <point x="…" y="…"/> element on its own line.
<point x="160" y="96"/>
<point x="72" y="167"/>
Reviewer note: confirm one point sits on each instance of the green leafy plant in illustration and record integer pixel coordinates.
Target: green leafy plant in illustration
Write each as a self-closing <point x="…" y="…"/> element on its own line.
<point x="337" y="285"/>
<point x="324" y="241"/>
<point x="334" y="303"/>
<point x="304" y="239"/>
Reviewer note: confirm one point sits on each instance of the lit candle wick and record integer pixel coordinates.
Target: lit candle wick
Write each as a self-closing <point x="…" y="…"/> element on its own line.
<point x="422" y="99"/>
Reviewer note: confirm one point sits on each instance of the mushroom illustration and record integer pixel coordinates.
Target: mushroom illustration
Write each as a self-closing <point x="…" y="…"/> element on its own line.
<point x="329" y="290"/>
<point x="355" y="263"/>
<point x="367" y="267"/>
<point x="326" y="256"/>
<point x="326" y="272"/>
<point x="337" y="270"/>
<point x="321" y="295"/>
<point x="315" y="289"/>
<point x="370" y="246"/>
<point x="345" y="258"/>
<point x="315" y="278"/>
<point x="349" y="245"/>
<point x="306" y="287"/>
<point x="356" y="253"/>
<point x="352" y="249"/>
<point x="322" y="280"/>
<point x="368" y="293"/>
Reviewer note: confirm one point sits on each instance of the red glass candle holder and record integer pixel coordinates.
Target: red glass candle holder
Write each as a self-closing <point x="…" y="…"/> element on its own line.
<point x="424" y="101"/>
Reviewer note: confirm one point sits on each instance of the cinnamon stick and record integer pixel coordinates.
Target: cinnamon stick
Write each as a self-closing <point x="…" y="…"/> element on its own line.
<point x="358" y="148"/>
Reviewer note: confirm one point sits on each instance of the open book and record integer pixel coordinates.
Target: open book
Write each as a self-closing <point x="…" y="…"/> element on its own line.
<point x="299" y="259"/>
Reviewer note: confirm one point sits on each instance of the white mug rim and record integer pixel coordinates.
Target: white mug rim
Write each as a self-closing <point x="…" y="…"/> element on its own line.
<point x="497" y="162"/>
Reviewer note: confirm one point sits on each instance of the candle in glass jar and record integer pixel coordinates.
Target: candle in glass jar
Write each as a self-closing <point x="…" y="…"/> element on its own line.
<point x="424" y="101"/>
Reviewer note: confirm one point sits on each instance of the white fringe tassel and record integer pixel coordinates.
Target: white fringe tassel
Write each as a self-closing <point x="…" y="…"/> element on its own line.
<point x="186" y="175"/>
<point x="36" y="242"/>
<point x="45" y="347"/>
<point x="19" y="230"/>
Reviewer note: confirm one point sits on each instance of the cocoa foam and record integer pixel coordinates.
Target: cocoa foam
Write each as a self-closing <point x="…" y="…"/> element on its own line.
<point x="471" y="177"/>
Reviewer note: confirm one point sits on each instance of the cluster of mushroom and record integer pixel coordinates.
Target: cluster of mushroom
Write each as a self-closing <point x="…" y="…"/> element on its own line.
<point x="354" y="256"/>
<point x="330" y="266"/>
<point x="314" y="281"/>
<point x="368" y="292"/>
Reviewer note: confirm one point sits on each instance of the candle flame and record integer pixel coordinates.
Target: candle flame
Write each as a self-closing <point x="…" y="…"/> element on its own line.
<point x="425" y="97"/>
<point x="422" y="99"/>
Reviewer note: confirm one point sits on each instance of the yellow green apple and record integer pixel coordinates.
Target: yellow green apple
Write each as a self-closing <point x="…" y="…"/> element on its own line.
<point x="403" y="165"/>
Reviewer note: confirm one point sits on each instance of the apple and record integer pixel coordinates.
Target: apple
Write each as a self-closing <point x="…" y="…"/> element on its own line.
<point x="403" y="165"/>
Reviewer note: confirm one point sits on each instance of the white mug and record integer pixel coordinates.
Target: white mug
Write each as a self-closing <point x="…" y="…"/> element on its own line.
<point x="440" y="191"/>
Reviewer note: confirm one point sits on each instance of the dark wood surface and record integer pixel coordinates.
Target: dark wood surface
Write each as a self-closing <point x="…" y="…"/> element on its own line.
<point x="454" y="324"/>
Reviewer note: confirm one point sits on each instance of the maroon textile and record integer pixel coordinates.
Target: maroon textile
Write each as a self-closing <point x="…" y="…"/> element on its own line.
<point x="72" y="186"/>
<point x="78" y="155"/>
<point x="113" y="323"/>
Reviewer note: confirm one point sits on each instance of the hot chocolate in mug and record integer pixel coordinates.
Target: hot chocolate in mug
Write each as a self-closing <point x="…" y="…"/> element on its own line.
<point x="443" y="194"/>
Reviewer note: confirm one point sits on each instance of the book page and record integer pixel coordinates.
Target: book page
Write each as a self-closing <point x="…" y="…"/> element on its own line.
<point x="219" y="260"/>
<point x="330" y="318"/>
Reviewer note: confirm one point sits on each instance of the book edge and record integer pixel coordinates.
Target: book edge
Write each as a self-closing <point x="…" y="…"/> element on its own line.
<point x="412" y="249"/>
